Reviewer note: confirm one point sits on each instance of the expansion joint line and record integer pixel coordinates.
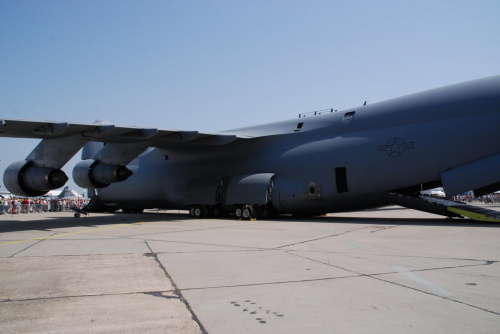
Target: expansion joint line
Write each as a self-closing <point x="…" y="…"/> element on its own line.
<point x="326" y="237"/>
<point x="36" y="243"/>
<point x="374" y="276"/>
<point x="177" y="291"/>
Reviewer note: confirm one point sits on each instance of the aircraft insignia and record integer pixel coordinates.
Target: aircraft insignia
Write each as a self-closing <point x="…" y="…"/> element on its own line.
<point x="395" y="147"/>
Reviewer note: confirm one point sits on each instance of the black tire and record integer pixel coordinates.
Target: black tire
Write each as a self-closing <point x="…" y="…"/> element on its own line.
<point x="200" y="211"/>
<point x="248" y="212"/>
<point x="238" y="212"/>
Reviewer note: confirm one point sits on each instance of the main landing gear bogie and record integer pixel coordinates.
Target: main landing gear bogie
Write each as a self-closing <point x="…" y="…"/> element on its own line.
<point x="246" y="212"/>
<point x="205" y="211"/>
<point x="243" y="212"/>
<point x="251" y="212"/>
<point x="198" y="211"/>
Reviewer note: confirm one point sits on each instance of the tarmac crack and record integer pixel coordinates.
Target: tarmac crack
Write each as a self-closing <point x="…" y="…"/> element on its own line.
<point x="432" y="294"/>
<point x="244" y="248"/>
<point x="36" y="243"/>
<point x="161" y="295"/>
<point x="270" y="283"/>
<point x="191" y="230"/>
<point x="152" y="293"/>
<point x="177" y="290"/>
<point x="374" y="276"/>
<point x="385" y="228"/>
<point x="325" y="237"/>
<point x="488" y="262"/>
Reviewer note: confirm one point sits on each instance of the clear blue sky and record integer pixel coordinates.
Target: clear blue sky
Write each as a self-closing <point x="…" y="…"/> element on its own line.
<point x="217" y="65"/>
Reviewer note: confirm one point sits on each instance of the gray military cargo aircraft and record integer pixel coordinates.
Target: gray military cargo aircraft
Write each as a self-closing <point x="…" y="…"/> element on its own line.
<point x="326" y="161"/>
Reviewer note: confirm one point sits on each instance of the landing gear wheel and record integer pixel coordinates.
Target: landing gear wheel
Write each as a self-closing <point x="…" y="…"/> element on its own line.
<point x="248" y="212"/>
<point x="200" y="212"/>
<point x="197" y="212"/>
<point x="77" y="215"/>
<point x="238" y="212"/>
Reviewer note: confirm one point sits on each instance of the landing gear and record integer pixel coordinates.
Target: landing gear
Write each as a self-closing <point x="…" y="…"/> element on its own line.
<point x="198" y="211"/>
<point x="238" y="212"/>
<point x="244" y="212"/>
<point x="248" y="212"/>
<point x="78" y="212"/>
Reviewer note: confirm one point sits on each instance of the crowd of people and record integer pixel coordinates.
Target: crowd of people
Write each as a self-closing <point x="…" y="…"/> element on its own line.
<point x="19" y="205"/>
<point x="16" y="205"/>
<point x="490" y="198"/>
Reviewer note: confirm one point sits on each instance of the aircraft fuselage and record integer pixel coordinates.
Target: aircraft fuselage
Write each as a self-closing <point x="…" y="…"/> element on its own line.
<point x="337" y="161"/>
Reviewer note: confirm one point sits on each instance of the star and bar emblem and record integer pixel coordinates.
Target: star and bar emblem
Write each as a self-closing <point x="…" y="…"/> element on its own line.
<point x="395" y="147"/>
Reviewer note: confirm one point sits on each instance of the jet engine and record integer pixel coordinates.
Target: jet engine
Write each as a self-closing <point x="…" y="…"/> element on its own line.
<point x="91" y="174"/>
<point x="22" y="178"/>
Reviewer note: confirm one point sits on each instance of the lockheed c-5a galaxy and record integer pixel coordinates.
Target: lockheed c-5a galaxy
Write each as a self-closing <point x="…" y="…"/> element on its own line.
<point x="329" y="161"/>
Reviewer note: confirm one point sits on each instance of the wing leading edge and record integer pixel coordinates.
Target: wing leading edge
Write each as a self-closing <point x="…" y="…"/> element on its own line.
<point x="105" y="132"/>
<point x="41" y="171"/>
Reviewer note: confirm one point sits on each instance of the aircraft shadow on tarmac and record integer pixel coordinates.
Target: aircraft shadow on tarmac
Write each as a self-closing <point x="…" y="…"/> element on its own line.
<point x="51" y="222"/>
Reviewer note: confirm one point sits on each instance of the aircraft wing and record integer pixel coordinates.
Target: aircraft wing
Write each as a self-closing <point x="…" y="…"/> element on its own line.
<point x="105" y="132"/>
<point x="101" y="165"/>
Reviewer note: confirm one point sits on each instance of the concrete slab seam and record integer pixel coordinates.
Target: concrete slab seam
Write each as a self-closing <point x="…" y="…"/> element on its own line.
<point x="151" y="293"/>
<point x="177" y="291"/>
<point x="193" y="229"/>
<point x="386" y="228"/>
<point x="271" y="283"/>
<point x="65" y="234"/>
<point x="431" y="294"/>
<point x="22" y="250"/>
<point x="374" y="276"/>
<point x="245" y="248"/>
<point x="326" y="237"/>
<point x="435" y="289"/>
<point x="391" y="255"/>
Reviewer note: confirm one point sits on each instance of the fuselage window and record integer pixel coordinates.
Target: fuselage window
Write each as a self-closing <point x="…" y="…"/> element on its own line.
<point x="341" y="178"/>
<point x="348" y="119"/>
<point x="299" y="126"/>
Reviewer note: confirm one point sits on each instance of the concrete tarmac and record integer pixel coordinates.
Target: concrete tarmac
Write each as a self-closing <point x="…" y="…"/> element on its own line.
<point x="390" y="270"/>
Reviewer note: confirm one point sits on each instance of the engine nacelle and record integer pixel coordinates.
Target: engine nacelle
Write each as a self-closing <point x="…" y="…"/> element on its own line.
<point x="23" y="179"/>
<point x="91" y="174"/>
